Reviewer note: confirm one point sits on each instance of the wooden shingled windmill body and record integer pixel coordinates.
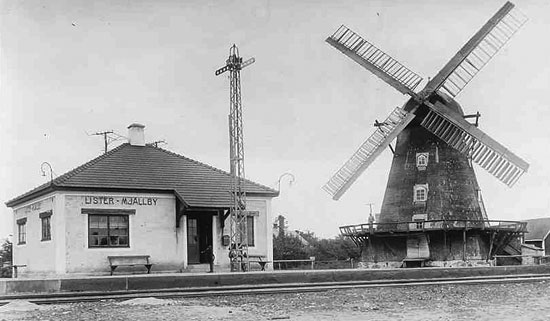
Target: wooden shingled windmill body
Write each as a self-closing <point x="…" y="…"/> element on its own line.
<point x="432" y="211"/>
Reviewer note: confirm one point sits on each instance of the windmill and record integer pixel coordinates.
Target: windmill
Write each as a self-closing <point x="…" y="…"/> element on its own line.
<point x="431" y="176"/>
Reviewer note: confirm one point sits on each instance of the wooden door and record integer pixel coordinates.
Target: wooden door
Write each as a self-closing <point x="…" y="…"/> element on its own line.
<point x="417" y="247"/>
<point x="193" y="244"/>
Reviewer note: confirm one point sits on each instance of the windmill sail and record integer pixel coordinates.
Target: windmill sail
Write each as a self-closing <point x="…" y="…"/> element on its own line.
<point x="367" y="152"/>
<point x="450" y="127"/>
<point x="462" y="68"/>
<point x="374" y="60"/>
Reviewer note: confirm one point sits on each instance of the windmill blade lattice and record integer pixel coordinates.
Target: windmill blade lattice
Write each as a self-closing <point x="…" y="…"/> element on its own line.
<point x="477" y="52"/>
<point x="374" y="60"/>
<point x="468" y="139"/>
<point x="367" y="152"/>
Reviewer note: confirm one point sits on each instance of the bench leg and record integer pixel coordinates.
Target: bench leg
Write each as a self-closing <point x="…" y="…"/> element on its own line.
<point x="113" y="267"/>
<point x="148" y="266"/>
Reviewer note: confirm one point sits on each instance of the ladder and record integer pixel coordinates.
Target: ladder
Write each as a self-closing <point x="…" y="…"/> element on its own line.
<point x="367" y="152"/>
<point x="500" y="33"/>
<point x="374" y="60"/>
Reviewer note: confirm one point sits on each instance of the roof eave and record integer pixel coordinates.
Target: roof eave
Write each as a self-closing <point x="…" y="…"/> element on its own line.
<point x="52" y="187"/>
<point x="27" y="197"/>
<point x="264" y="194"/>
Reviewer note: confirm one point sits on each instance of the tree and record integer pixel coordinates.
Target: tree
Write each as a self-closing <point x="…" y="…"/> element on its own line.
<point x="301" y="245"/>
<point x="288" y="247"/>
<point x="6" y="258"/>
<point x="338" y="248"/>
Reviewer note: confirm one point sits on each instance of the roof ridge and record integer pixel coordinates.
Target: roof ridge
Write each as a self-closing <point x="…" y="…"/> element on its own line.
<point x="210" y="166"/>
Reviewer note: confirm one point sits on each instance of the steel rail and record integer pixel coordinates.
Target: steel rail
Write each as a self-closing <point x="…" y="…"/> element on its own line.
<point x="71" y="297"/>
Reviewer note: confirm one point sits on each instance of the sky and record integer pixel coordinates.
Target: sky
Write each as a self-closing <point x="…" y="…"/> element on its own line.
<point x="71" y="68"/>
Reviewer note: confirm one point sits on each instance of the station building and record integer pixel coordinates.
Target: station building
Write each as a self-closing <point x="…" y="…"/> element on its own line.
<point x="136" y="199"/>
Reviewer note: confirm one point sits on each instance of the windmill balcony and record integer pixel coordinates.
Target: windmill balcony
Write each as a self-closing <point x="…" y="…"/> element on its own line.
<point x="431" y="225"/>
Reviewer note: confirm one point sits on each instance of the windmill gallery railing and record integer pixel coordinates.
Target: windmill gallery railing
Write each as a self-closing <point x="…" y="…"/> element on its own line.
<point x="431" y="225"/>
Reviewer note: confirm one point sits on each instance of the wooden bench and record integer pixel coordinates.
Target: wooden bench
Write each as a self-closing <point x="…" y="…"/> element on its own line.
<point x="259" y="259"/>
<point x="13" y="268"/>
<point x="129" y="260"/>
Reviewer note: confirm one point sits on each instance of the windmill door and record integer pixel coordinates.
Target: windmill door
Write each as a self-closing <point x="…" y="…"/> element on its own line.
<point x="417" y="247"/>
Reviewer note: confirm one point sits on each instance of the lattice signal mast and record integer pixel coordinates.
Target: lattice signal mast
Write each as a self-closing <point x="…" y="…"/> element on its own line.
<point x="238" y="249"/>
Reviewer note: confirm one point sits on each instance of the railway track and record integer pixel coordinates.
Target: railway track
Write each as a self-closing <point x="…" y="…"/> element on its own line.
<point x="71" y="297"/>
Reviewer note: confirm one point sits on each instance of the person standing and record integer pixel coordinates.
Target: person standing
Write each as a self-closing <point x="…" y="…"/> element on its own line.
<point x="209" y="254"/>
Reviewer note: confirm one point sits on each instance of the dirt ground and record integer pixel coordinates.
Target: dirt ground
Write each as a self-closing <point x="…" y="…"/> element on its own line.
<point x="512" y="301"/>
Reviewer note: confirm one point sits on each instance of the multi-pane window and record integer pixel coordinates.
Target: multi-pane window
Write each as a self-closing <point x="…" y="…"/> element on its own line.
<point x="45" y="219"/>
<point x="108" y="230"/>
<point x="250" y="229"/>
<point x="192" y="232"/>
<point x="422" y="161"/>
<point x="419" y="219"/>
<point x="420" y="193"/>
<point x="22" y="231"/>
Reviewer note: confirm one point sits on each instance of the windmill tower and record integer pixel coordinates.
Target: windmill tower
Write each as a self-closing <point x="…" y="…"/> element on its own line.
<point x="432" y="209"/>
<point x="237" y="226"/>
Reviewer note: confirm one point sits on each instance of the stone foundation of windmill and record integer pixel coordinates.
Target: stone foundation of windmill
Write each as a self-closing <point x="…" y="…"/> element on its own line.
<point x="437" y="243"/>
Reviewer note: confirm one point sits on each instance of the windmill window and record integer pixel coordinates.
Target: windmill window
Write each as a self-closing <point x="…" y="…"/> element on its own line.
<point x="420" y="193"/>
<point x="419" y="220"/>
<point x="421" y="161"/>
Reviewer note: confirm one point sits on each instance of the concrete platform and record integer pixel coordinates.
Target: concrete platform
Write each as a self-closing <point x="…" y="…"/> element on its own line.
<point x="11" y="288"/>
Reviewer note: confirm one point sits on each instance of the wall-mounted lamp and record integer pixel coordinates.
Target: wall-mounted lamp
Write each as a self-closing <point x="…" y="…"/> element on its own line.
<point x="292" y="178"/>
<point x="43" y="167"/>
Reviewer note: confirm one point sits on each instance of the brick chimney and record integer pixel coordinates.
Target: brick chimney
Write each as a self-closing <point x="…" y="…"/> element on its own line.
<point x="136" y="134"/>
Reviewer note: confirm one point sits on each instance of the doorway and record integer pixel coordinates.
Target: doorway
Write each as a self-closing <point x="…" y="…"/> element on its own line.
<point x="417" y="247"/>
<point x="199" y="237"/>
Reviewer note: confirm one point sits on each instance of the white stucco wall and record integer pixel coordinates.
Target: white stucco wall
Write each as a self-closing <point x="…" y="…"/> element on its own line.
<point x="263" y="235"/>
<point x="152" y="232"/>
<point x="39" y="256"/>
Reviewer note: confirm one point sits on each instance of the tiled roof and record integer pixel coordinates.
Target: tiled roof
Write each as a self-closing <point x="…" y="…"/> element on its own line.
<point x="153" y="169"/>
<point x="537" y="228"/>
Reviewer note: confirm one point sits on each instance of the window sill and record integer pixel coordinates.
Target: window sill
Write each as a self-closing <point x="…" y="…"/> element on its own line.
<point x="45" y="240"/>
<point x="419" y="202"/>
<point x="109" y="247"/>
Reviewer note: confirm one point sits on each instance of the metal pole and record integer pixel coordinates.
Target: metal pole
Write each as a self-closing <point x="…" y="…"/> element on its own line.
<point x="238" y="247"/>
<point x="464" y="245"/>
